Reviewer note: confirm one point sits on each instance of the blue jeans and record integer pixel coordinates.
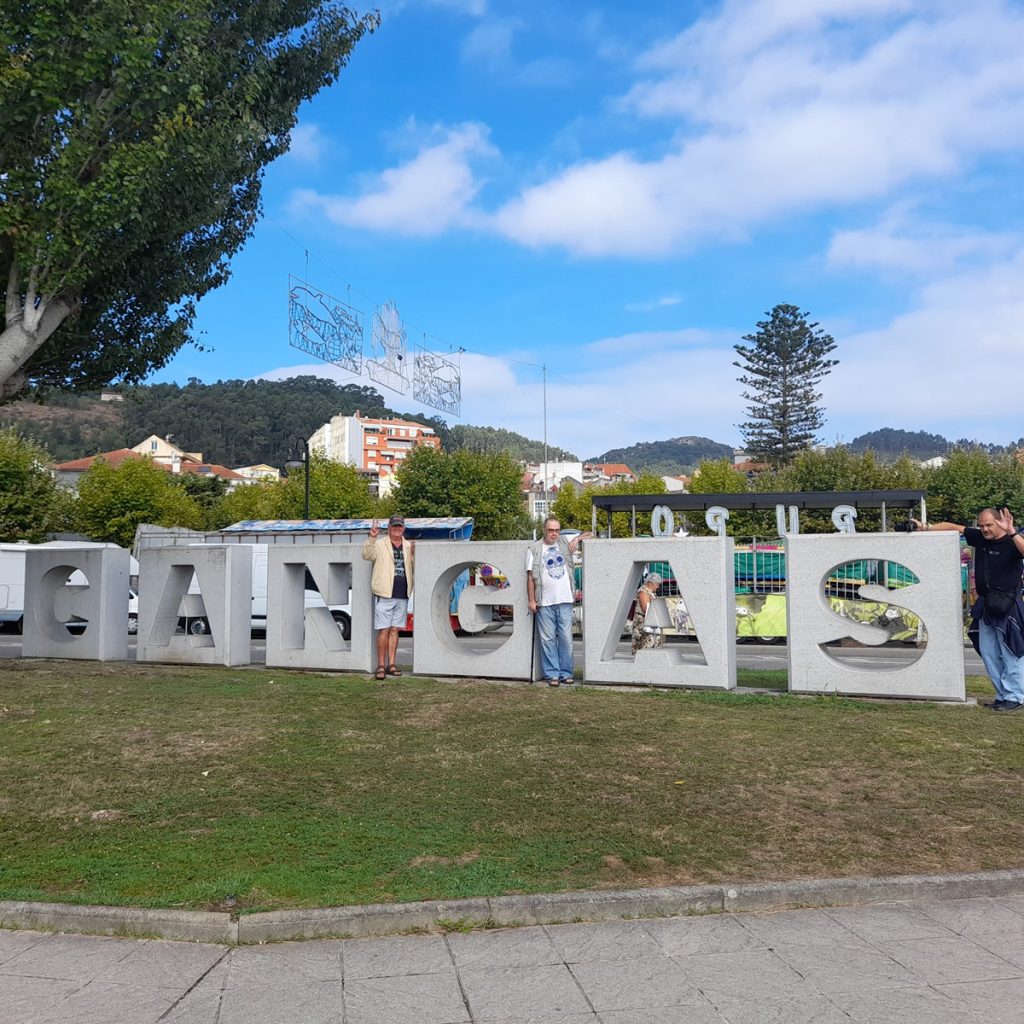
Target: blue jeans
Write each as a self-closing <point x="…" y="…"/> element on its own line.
<point x="554" y="628"/>
<point x="1005" y="671"/>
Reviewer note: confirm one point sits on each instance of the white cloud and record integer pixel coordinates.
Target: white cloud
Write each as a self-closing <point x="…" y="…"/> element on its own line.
<point x="647" y="307"/>
<point x="593" y="403"/>
<point x="424" y="196"/>
<point x="783" y="107"/>
<point x="491" y="43"/>
<point x="895" y="245"/>
<point x="946" y="365"/>
<point x="467" y="8"/>
<point x="307" y="144"/>
<point x="491" y="40"/>
<point x="471" y="8"/>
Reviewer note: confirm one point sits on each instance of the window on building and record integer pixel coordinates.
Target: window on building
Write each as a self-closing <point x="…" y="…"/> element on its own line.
<point x="153" y="445"/>
<point x="540" y="508"/>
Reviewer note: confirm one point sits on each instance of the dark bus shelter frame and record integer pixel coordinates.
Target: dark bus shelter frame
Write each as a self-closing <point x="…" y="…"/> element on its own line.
<point x="633" y="503"/>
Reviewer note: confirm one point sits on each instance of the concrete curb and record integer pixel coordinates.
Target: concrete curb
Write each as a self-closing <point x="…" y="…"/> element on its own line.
<point x="503" y="911"/>
<point x="185" y="925"/>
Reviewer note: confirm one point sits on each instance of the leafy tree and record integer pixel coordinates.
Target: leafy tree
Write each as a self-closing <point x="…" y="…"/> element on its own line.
<point x="717" y="477"/>
<point x="487" y="487"/>
<point x="260" y="500"/>
<point x="573" y="507"/>
<point x="112" y="502"/>
<point x="206" y="491"/>
<point x="133" y="139"/>
<point x="31" y="504"/>
<point x="491" y="440"/>
<point x="782" y="366"/>
<point x="840" y="469"/>
<point x="233" y="422"/>
<point x="972" y="480"/>
<point x="888" y="441"/>
<point x="336" y="491"/>
<point x="671" y="457"/>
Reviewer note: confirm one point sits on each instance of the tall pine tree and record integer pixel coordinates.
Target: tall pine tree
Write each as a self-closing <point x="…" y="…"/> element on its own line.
<point x="782" y="365"/>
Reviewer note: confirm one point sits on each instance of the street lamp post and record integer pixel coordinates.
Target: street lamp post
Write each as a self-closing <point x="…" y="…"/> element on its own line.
<point x="294" y="463"/>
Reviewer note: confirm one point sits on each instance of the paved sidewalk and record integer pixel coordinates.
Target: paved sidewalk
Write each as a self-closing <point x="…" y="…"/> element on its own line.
<point x="926" y="962"/>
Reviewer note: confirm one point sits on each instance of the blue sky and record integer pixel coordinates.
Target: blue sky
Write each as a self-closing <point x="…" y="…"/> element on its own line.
<point x="619" y="193"/>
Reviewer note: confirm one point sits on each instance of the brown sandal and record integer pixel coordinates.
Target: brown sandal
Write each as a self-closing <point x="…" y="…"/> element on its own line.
<point x="381" y="672"/>
<point x="394" y="670"/>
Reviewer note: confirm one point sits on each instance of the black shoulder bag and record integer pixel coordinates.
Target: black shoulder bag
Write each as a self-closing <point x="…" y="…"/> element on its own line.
<point x="998" y="603"/>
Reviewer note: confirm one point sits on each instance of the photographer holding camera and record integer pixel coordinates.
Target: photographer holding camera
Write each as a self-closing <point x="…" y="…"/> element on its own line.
<point x="998" y="614"/>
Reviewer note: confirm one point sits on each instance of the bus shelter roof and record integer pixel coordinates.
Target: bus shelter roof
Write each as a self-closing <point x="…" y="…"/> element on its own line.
<point x="750" y="502"/>
<point x="416" y="528"/>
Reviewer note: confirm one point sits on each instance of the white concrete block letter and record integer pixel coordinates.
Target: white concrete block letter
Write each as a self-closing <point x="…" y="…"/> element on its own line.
<point x="437" y="650"/>
<point x="305" y="626"/>
<point x="704" y="572"/>
<point x="88" y="584"/>
<point x="224" y="576"/>
<point x="814" y="667"/>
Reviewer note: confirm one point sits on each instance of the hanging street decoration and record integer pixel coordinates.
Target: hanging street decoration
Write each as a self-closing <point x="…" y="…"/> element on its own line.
<point x="387" y="365"/>
<point x="329" y="329"/>
<point x="436" y="382"/>
<point x="324" y="327"/>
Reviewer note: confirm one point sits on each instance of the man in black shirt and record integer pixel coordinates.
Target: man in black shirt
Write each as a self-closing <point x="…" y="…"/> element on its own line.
<point x="999" y="614"/>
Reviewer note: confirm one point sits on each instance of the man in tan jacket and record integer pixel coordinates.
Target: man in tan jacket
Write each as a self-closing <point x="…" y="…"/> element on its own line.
<point x="391" y="583"/>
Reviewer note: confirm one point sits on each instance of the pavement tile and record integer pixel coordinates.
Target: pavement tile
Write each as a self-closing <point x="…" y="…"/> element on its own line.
<point x="1010" y="949"/>
<point x="21" y="997"/>
<point x="689" y="1013"/>
<point x="815" y="1009"/>
<point x="906" y="1006"/>
<point x="71" y="957"/>
<point x="996" y="1002"/>
<point x="100" y="1003"/>
<point x="847" y="968"/>
<point x="13" y="943"/>
<point x="507" y="947"/>
<point x="949" y="960"/>
<point x="164" y="964"/>
<point x="277" y="1001"/>
<point x="524" y="992"/>
<point x="288" y="962"/>
<point x="636" y="984"/>
<point x="758" y="974"/>
<point x="798" y="928"/>
<point x="887" y="922"/>
<point x="976" y="917"/>
<point x="411" y="999"/>
<point x="546" y="1018"/>
<point x="612" y="940"/>
<point x="720" y="933"/>
<point x="386" y="958"/>
<point x="201" y="1005"/>
<point x="1015" y="903"/>
<point x="204" y="1012"/>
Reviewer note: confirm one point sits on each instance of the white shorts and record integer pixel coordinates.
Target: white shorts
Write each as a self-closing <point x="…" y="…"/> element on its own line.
<point x="390" y="612"/>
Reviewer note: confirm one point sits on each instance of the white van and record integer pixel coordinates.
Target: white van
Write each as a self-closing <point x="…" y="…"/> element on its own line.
<point x="12" y="583"/>
<point x="192" y="614"/>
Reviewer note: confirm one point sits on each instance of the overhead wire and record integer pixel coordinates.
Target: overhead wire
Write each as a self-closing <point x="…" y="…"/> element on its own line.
<point x="461" y="348"/>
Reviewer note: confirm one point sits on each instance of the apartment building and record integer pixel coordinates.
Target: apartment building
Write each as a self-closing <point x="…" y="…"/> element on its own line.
<point x="375" y="445"/>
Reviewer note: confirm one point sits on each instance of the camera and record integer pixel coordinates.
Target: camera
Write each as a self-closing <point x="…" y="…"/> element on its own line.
<point x="908" y="527"/>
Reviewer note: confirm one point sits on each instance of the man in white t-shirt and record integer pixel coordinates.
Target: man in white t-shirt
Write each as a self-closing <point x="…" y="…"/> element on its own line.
<point x="550" y="589"/>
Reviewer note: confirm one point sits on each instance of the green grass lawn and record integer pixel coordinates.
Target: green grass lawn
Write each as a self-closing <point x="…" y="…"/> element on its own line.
<point x="286" y="789"/>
